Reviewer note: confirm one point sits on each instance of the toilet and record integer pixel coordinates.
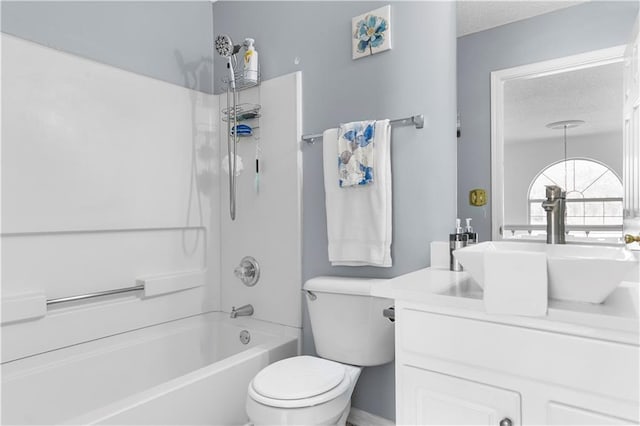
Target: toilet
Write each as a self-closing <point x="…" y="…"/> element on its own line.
<point x="349" y="333"/>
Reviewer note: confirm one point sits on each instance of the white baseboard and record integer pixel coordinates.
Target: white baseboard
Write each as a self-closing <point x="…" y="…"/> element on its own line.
<point x="359" y="417"/>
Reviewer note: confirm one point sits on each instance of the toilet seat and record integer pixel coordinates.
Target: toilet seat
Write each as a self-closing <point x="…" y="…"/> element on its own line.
<point x="301" y="381"/>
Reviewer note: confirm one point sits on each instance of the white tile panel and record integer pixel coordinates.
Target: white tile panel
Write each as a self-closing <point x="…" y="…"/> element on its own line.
<point x="86" y="146"/>
<point x="268" y="223"/>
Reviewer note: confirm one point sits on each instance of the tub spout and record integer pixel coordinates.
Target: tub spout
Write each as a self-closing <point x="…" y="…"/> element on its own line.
<point x="242" y="311"/>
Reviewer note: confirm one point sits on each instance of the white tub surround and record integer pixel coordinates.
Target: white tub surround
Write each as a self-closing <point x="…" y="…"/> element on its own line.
<point x="111" y="180"/>
<point x="456" y="363"/>
<point x="103" y="183"/>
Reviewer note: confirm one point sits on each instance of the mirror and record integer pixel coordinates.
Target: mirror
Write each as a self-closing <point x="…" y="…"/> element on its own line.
<point x="559" y="122"/>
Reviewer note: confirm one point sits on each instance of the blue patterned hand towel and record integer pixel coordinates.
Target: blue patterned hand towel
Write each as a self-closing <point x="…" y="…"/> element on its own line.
<point x="355" y="153"/>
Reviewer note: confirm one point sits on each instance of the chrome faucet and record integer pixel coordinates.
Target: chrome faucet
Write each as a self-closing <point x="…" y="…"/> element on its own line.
<point x="242" y="311"/>
<point x="555" y="206"/>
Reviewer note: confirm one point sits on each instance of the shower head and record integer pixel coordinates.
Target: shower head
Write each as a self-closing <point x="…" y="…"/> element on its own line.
<point x="225" y="46"/>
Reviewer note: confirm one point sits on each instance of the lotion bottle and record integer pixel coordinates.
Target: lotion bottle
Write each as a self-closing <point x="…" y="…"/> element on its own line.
<point x="250" y="70"/>
<point x="472" y="237"/>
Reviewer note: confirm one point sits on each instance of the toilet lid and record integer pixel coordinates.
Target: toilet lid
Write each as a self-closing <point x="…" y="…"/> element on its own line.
<point x="298" y="377"/>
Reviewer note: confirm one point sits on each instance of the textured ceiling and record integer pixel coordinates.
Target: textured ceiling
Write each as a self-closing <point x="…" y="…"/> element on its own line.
<point x="591" y="94"/>
<point x="474" y="16"/>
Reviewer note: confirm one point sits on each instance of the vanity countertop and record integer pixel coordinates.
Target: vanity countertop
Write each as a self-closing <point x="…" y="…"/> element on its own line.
<point x="456" y="293"/>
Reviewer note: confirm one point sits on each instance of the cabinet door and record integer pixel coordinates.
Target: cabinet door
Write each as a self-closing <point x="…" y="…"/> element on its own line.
<point x="430" y="398"/>
<point x="561" y="414"/>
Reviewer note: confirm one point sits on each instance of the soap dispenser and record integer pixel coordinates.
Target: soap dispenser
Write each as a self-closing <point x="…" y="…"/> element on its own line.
<point x="457" y="240"/>
<point x="472" y="237"/>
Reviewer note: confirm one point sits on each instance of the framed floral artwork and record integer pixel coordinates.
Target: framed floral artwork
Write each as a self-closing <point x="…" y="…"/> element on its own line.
<point x="371" y="32"/>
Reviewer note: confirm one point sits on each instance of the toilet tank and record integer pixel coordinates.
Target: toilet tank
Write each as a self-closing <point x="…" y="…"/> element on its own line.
<point x="347" y="322"/>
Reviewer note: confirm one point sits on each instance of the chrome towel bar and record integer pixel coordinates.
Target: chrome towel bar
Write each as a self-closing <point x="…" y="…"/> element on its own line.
<point x="416" y="120"/>
<point x="138" y="287"/>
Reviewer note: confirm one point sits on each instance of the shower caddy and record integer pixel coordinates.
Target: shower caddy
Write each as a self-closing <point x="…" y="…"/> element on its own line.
<point x="235" y="112"/>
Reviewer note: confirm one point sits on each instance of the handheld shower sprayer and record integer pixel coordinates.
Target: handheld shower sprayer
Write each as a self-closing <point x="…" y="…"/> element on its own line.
<point x="226" y="48"/>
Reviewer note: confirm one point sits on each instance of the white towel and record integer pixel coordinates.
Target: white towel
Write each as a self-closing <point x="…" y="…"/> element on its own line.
<point x="359" y="217"/>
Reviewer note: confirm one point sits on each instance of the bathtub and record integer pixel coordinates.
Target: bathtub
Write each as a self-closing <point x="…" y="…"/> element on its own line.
<point x="190" y="371"/>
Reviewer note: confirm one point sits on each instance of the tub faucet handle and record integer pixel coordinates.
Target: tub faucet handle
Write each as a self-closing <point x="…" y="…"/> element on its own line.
<point x="248" y="271"/>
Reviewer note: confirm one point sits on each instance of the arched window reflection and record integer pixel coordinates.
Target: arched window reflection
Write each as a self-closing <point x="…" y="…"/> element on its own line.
<point x="594" y="193"/>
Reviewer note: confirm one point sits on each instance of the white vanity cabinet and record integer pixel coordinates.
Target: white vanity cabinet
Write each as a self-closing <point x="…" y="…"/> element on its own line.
<point x="432" y="398"/>
<point x="455" y="367"/>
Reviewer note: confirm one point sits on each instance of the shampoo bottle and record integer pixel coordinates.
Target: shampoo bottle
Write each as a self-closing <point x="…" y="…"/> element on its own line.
<point x="456" y="240"/>
<point x="250" y="71"/>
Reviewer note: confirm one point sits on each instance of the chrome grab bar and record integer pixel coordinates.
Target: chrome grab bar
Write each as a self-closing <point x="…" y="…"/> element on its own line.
<point x="96" y="294"/>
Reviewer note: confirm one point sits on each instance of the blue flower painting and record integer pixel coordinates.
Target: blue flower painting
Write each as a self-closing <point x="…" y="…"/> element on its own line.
<point x="372" y="32"/>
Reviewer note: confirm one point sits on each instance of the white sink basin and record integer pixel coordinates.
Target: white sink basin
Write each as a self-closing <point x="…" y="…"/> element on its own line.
<point x="575" y="272"/>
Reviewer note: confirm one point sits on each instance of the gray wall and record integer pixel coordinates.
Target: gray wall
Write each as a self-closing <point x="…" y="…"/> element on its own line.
<point x="416" y="76"/>
<point x="164" y="40"/>
<point x="578" y="29"/>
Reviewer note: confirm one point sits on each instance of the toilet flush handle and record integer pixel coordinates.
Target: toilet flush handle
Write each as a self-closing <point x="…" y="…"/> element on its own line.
<point x="390" y="313"/>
